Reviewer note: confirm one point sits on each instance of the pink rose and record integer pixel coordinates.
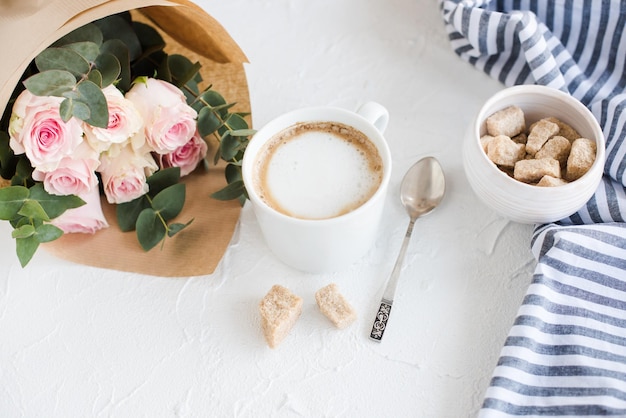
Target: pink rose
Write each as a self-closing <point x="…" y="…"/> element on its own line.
<point x="124" y="174"/>
<point x="124" y="122"/>
<point x="85" y="219"/>
<point x="169" y="122"/>
<point x="186" y="157"/>
<point x="74" y="175"/>
<point x="37" y="130"/>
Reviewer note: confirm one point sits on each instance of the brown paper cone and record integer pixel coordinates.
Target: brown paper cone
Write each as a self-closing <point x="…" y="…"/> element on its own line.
<point x="189" y="31"/>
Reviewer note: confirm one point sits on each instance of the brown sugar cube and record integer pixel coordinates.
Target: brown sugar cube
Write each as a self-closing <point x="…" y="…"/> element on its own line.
<point x="580" y="159"/>
<point x="549" y="181"/>
<point x="280" y="310"/>
<point x="539" y="134"/>
<point x="565" y="130"/>
<point x="509" y="121"/>
<point x="557" y="147"/>
<point x="484" y="141"/>
<point x="504" y="152"/>
<point x="521" y="138"/>
<point x="334" y="306"/>
<point x="531" y="171"/>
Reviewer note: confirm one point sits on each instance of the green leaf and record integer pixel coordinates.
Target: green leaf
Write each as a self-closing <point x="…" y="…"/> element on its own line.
<point x="163" y="179"/>
<point x="50" y="83"/>
<point x="175" y="228"/>
<point x="33" y="209"/>
<point x="116" y="27"/>
<point x="91" y="95"/>
<point x="233" y="191"/>
<point x="85" y="33"/>
<point x="47" y="233"/>
<point x="54" y="205"/>
<point x="170" y="201"/>
<point x="236" y="122"/>
<point x="62" y="59"/>
<point x="109" y="66"/>
<point x="230" y="146"/>
<point x="88" y="50"/>
<point x="26" y="248"/>
<point x="11" y="200"/>
<point x="128" y="212"/>
<point x="23" y="231"/>
<point x="233" y="172"/>
<point x="150" y="229"/>
<point x="183" y="70"/>
<point x="120" y="51"/>
<point x="95" y="76"/>
<point x="208" y="122"/>
<point x="149" y="38"/>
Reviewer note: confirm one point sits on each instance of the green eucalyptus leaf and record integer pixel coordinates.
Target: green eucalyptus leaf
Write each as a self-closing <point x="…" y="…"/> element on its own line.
<point x="212" y="99"/>
<point x="62" y="59"/>
<point x="47" y="233"/>
<point x="163" y="179"/>
<point x="175" y="228"/>
<point x="149" y="37"/>
<point x="184" y="71"/>
<point x="232" y="172"/>
<point x="11" y="200"/>
<point x="54" y="205"/>
<point x="236" y="122"/>
<point x="170" y="201"/>
<point x="128" y="212"/>
<point x="85" y="33"/>
<point x="117" y="27"/>
<point x="81" y="111"/>
<point x="66" y="109"/>
<point x="150" y="229"/>
<point x="109" y="66"/>
<point x="232" y="191"/>
<point x="230" y="146"/>
<point x="50" y="83"/>
<point x="120" y="51"/>
<point x="95" y="76"/>
<point x="91" y="95"/>
<point x="33" y="209"/>
<point x="26" y="248"/>
<point x="24" y="231"/>
<point x="208" y="122"/>
<point x="88" y="50"/>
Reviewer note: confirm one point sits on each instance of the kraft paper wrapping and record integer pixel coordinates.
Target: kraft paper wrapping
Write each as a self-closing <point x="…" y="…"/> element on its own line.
<point x="188" y="30"/>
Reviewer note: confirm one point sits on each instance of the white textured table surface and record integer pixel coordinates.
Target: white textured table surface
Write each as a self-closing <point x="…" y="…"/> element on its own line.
<point x="79" y="341"/>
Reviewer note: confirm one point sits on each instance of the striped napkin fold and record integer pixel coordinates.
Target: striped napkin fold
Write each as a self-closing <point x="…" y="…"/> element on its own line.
<point x="565" y="354"/>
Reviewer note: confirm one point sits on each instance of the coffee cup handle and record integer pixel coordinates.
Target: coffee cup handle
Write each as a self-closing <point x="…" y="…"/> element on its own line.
<point x="376" y="114"/>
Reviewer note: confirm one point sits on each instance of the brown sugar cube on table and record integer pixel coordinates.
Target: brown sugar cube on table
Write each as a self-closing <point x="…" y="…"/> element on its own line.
<point x="280" y="309"/>
<point x="334" y="306"/>
<point x="539" y="135"/>
<point x="531" y="171"/>
<point x="509" y="121"/>
<point x="504" y="152"/>
<point x="581" y="158"/>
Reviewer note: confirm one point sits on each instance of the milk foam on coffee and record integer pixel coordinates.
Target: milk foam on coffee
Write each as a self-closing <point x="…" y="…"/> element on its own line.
<point x="318" y="170"/>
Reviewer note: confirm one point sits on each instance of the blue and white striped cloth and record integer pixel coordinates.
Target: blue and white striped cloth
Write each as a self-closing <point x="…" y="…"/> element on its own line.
<point x="565" y="355"/>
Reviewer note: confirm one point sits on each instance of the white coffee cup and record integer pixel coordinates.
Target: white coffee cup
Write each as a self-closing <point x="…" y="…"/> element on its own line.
<point x="334" y="243"/>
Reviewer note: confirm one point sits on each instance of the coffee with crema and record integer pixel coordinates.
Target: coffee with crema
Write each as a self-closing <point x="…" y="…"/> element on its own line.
<point x="318" y="170"/>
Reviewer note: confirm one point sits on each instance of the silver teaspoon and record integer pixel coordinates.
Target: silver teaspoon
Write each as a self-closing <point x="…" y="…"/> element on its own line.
<point x="423" y="187"/>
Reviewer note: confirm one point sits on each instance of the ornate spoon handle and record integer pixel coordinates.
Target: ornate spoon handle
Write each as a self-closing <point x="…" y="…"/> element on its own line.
<point x="382" y="316"/>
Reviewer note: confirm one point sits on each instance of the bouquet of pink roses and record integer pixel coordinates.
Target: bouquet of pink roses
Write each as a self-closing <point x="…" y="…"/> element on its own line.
<point x="105" y="110"/>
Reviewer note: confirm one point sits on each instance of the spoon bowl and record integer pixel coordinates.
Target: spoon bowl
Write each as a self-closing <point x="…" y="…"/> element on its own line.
<point x="422" y="189"/>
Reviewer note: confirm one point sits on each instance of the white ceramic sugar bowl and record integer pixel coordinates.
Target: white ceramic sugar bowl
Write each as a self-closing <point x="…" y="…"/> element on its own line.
<point x="518" y="201"/>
